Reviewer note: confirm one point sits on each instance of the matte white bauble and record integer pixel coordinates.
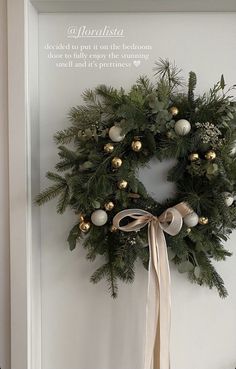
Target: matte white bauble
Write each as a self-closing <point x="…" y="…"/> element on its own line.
<point x="191" y="220"/>
<point x="115" y="134"/>
<point x="99" y="217"/>
<point x="228" y="198"/>
<point x="182" y="127"/>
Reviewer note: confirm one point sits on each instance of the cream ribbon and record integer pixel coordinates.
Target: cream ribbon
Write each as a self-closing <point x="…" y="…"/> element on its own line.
<point x="158" y="306"/>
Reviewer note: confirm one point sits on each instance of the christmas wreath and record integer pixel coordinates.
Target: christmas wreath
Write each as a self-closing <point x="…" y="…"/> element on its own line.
<point x="114" y="134"/>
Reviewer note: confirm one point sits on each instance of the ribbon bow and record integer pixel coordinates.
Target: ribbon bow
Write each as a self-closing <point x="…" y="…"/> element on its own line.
<point x="158" y="307"/>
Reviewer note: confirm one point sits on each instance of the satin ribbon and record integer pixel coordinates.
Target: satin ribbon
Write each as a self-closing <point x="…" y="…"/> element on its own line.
<point x="158" y="306"/>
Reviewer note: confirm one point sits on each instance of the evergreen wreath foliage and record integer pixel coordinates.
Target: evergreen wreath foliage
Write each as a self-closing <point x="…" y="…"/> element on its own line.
<point x="85" y="179"/>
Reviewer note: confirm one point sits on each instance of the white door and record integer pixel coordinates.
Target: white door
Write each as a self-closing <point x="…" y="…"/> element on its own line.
<point x="82" y="327"/>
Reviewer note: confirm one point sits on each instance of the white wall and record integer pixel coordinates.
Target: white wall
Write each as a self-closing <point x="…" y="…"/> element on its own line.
<point x="4" y="221"/>
<point x="82" y="327"/>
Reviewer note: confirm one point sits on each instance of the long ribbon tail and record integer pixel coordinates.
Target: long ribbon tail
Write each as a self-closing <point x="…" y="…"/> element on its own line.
<point x="152" y="303"/>
<point x="157" y="352"/>
<point x="162" y="344"/>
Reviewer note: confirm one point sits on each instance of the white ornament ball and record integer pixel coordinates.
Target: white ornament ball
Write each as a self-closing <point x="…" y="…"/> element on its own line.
<point x="115" y="134"/>
<point x="99" y="217"/>
<point x="228" y="198"/>
<point x="191" y="220"/>
<point x="182" y="127"/>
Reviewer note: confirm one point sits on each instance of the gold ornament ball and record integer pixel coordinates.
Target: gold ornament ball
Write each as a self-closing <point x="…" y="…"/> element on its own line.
<point x="109" y="148"/>
<point x="85" y="226"/>
<point x="122" y="184"/>
<point x="203" y="220"/>
<point x="109" y="206"/>
<point x="174" y="110"/>
<point x="113" y="228"/>
<point x="116" y="162"/>
<point x="210" y="155"/>
<point x="193" y="156"/>
<point x="136" y="145"/>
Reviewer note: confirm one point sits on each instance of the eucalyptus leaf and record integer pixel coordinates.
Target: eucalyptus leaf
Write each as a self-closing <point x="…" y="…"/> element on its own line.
<point x="171" y="253"/>
<point x="197" y="272"/>
<point x="96" y="204"/>
<point x="185" y="267"/>
<point x="212" y="169"/>
<point x="87" y="165"/>
<point x="73" y="236"/>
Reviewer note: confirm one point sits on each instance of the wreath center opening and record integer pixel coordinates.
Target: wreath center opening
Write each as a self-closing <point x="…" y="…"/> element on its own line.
<point x="154" y="178"/>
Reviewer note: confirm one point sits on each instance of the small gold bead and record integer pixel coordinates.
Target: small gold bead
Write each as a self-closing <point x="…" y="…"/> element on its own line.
<point x="85" y="226"/>
<point x="108" y="148"/>
<point x="193" y="156"/>
<point x="136" y="145"/>
<point x="188" y="230"/>
<point x="210" y="155"/>
<point x="81" y="217"/>
<point x="122" y="184"/>
<point x="174" y="110"/>
<point x="203" y="220"/>
<point x="116" y="162"/>
<point x="109" y="205"/>
<point x="113" y="228"/>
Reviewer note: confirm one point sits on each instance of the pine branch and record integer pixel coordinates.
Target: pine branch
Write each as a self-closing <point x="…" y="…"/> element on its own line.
<point x="167" y="71"/>
<point x="209" y="275"/>
<point x="49" y="193"/>
<point x="106" y="271"/>
<point x="65" y="153"/>
<point x="64" y="165"/>
<point x="144" y="85"/>
<point x="66" y="135"/>
<point x="100" y="273"/>
<point x="191" y="87"/>
<point x="55" y="177"/>
<point x="112" y="280"/>
<point x="63" y="200"/>
<point x="90" y="98"/>
<point x="110" y="96"/>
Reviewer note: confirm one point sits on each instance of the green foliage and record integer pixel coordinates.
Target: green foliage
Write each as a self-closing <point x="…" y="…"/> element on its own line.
<point x="74" y="236"/>
<point x="88" y="179"/>
<point x="191" y="87"/>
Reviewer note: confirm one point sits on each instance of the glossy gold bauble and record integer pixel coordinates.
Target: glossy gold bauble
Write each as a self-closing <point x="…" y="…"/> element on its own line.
<point x="85" y="226"/>
<point x="203" y="220"/>
<point x="210" y="155"/>
<point x="116" y="162"/>
<point x="174" y="110"/>
<point x="136" y="145"/>
<point x="109" y="148"/>
<point x="113" y="228"/>
<point x="193" y="156"/>
<point x="122" y="184"/>
<point x="109" y="206"/>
